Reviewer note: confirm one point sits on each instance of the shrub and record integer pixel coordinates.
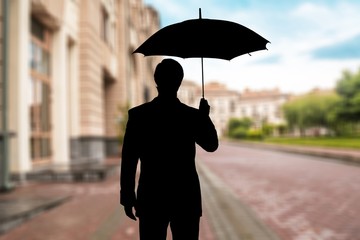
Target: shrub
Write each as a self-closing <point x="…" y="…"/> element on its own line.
<point x="254" y="134"/>
<point x="238" y="133"/>
<point x="238" y="127"/>
<point x="268" y="129"/>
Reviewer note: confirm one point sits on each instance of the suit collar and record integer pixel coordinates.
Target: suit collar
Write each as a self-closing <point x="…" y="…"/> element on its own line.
<point x="166" y="101"/>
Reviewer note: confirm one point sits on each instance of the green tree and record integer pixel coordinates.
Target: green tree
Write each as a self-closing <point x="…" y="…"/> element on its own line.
<point x="312" y="110"/>
<point x="348" y="87"/>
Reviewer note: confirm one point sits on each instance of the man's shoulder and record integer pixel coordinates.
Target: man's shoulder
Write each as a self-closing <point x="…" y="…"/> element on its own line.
<point x="188" y="108"/>
<point x="189" y="111"/>
<point x="151" y="106"/>
<point x="140" y="108"/>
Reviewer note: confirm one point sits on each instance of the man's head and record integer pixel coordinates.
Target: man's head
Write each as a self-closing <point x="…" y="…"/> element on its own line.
<point x="168" y="76"/>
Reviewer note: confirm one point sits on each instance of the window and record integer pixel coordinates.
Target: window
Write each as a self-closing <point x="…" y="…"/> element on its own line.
<point x="254" y="111"/>
<point x="243" y="111"/>
<point x="104" y="25"/>
<point x="266" y="109"/>
<point x="40" y="92"/>
<point x="232" y="106"/>
<point x="278" y="112"/>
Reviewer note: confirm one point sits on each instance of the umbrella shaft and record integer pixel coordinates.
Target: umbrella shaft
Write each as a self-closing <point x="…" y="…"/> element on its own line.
<point x="202" y="76"/>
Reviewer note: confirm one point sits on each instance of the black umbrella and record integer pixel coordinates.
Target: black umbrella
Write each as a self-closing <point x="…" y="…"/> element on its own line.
<point x="203" y="38"/>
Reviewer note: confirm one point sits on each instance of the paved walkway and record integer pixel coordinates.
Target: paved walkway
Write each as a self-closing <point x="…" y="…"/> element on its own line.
<point x="34" y="197"/>
<point x="92" y="213"/>
<point x="17" y="209"/>
<point x="91" y="210"/>
<point x="230" y="218"/>
<point x="300" y="197"/>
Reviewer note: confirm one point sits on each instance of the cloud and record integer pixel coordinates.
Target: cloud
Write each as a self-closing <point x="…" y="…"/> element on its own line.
<point x="325" y="23"/>
<point x="311" y="41"/>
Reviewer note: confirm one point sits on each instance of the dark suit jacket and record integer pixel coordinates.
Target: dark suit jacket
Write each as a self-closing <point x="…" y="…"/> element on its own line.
<point x="163" y="134"/>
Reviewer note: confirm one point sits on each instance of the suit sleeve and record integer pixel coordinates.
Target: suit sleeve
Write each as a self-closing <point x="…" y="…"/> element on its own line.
<point x="129" y="161"/>
<point x="206" y="135"/>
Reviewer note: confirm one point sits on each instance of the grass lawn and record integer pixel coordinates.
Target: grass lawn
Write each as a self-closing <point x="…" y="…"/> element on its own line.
<point x="353" y="142"/>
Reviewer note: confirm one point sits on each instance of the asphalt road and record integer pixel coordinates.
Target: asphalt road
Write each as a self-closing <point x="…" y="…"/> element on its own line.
<point x="298" y="197"/>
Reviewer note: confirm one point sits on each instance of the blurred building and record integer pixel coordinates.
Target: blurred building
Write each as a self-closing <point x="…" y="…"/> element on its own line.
<point x="223" y="104"/>
<point x="189" y="93"/>
<point x="261" y="106"/>
<point x="71" y="69"/>
<point x="222" y="101"/>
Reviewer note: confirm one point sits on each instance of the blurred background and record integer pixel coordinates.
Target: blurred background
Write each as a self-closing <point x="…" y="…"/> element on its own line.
<point x="68" y="78"/>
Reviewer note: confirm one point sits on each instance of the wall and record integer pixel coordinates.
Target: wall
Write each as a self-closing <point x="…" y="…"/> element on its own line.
<point x="2" y="181"/>
<point x="1" y="66"/>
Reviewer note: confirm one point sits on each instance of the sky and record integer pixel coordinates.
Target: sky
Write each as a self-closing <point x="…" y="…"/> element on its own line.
<point x="311" y="42"/>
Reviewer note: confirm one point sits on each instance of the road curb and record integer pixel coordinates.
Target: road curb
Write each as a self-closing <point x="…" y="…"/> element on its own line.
<point x="350" y="156"/>
<point x="14" y="212"/>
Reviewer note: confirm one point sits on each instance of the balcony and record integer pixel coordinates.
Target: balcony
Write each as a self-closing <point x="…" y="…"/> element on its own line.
<point x="49" y="12"/>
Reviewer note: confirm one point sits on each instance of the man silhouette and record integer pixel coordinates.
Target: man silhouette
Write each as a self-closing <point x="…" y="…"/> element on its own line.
<point x="162" y="134"/>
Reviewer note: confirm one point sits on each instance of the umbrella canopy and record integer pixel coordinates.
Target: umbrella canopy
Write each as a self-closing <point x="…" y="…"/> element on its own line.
<point x="203" y="38"/>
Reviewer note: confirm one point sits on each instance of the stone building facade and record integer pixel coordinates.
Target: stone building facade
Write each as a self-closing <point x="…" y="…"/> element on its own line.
<point x="71" y="70"/>
<point x="3" y="155"/>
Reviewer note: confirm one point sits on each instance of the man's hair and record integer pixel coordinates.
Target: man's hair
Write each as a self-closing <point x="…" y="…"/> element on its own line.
<point x="168" y="74"/>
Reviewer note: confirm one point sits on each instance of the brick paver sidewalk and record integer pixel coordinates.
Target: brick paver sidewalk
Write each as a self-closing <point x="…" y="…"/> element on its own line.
<point x="301" y="197"/>
<point x="92" y="213"/>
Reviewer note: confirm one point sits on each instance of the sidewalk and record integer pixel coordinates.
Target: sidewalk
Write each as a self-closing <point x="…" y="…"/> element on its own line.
<point x="34" y="197"/>
<point x="18" y="208"/>
<point x="344" y="155"/>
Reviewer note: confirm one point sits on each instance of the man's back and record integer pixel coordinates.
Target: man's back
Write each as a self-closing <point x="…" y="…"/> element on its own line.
<point x="165" y="134"/>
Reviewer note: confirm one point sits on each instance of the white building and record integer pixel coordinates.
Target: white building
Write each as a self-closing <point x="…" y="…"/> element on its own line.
<point x="261" y="106"/>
